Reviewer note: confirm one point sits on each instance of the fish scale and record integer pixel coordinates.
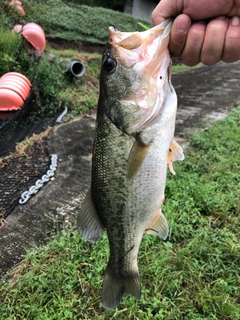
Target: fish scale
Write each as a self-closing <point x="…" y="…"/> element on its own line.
<point x="132" y="149"/>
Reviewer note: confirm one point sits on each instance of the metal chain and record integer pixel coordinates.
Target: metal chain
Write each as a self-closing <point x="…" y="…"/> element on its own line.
<point x="40" y="182"/>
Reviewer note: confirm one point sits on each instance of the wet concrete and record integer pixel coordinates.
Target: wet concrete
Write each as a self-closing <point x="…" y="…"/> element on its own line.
<point x="205" y="94"/>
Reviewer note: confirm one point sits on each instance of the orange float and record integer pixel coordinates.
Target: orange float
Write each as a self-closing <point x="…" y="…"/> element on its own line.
<point x="14" y="90"/>
<point x="16" y="80"/>
<point x="18" y="5"/>
<point x="19" y="84"/>
<point x="15" y="2"/>
<point x="17" y="28"/>
<point x="9" y="100"/>
<point x="22" y="90"/>
<point x="16" y="75"/>
<point x="35" y="35"/>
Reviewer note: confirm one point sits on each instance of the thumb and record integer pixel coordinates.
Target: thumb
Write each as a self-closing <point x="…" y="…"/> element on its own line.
<point x="166" y="9"/>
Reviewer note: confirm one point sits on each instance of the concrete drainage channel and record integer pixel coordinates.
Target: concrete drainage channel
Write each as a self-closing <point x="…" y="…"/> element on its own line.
<point x="205" y="94"/>
<point x="18" y="175"/>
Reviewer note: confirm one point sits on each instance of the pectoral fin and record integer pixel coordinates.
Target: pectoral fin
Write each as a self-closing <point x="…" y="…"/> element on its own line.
<point x="175" y="153"/>
<point x="89" y="224"/>
<point x="136" y="157"/>
<point x="159" y="226"/>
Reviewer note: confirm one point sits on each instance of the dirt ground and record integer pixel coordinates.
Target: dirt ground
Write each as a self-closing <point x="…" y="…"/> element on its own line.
<point x="205" y="94"/>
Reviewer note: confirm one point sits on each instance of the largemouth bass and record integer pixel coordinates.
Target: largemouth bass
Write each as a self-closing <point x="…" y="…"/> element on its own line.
<point x="133" y="147"/>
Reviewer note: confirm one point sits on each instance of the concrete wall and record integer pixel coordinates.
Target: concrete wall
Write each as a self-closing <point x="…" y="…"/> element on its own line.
<point x="140" y="8"/>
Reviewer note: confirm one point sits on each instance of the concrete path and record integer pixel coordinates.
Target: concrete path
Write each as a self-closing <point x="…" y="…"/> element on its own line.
<point x="205" y="94"/>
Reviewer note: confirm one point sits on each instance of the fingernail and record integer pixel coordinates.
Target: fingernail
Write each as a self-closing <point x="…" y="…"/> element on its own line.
<point x="235" y="21"/>
<point x="182" y="25"/>
<point x="221" y="18"/>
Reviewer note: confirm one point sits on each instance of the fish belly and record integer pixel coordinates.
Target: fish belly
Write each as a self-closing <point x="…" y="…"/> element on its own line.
<point x="126" y="207"/>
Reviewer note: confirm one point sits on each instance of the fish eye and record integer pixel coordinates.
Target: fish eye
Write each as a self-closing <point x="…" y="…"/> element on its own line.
<point x="109" y="64"/>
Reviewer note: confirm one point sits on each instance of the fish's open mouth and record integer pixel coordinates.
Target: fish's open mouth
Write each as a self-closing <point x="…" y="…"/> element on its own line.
<point x="134" y="47"/>
<point x="147" y="54"/>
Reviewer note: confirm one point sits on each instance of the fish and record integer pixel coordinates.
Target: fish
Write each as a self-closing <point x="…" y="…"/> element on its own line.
<point x="133" y="147"/>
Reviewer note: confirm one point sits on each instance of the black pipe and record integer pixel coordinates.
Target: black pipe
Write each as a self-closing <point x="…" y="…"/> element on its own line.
<point x="76" y="68"/>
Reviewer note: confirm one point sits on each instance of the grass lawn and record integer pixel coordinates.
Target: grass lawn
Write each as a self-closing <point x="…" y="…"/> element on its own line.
<point x="192" y="275"/>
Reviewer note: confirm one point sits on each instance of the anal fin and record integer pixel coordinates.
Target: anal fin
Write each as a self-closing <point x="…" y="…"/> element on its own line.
<point x="175" y="153"/>
<point x="89" y="224"/>
<point x="159" y="226"/>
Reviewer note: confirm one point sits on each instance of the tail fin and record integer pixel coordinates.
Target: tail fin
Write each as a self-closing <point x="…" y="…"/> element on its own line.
<point x="115" y="286"/>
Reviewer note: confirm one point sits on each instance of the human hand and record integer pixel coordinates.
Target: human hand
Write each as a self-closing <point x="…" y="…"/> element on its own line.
<point x="203" y="31"/>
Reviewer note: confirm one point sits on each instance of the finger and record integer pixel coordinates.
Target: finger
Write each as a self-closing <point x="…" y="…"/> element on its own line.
<point x="231" y="50"/>
<point x="196" y="10"/>
<point x="214" y="39"/>
<point x="192" y="50"/>
<point x="166" y="9"/>
<point x="179" y="33"/>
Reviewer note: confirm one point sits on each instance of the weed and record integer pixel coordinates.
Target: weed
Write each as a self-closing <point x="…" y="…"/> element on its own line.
<point x="92" y="22"/>
<point x="22" y="148"/>
<point x="193" y="275"/>
<point x="53" y="88"/>
<point x="9" y="44"/>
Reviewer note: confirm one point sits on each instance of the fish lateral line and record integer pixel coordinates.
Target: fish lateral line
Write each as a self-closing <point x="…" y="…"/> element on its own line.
<point x="127" y="252"/>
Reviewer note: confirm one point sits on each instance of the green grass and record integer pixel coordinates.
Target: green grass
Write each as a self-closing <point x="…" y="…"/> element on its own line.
<point x="182" y="67"/>
<point x="9" y="43"/>
<point x="54" y="89"/>
<point x="194" y="275"/>
<point x="79" y="94"/>
<point x="73" y="24"/>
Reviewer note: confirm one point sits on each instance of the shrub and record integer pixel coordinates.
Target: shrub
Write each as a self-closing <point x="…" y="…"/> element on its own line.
<point x="9" y="45"/>
<point x="79" y="23"/>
